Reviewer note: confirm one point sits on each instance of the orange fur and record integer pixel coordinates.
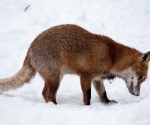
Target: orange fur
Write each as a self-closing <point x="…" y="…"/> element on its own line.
<point x="71" y="49"/>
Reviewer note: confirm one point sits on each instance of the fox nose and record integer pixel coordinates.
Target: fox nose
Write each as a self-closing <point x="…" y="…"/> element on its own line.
<point x="137" y="94"/>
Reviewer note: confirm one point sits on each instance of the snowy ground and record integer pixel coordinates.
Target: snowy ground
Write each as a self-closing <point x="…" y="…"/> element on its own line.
<point x="126" y="21"/>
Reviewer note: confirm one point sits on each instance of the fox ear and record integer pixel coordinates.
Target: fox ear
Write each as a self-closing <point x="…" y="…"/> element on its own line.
<point x="146" y="57"/>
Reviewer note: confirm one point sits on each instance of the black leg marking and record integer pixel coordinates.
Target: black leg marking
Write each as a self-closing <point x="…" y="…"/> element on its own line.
<point x="105" y="97"/>
<point x="106" y="100"/>
<point x="88" y="95"/>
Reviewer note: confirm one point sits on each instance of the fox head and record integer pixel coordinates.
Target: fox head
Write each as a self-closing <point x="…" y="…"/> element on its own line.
<point x="137" y="74"/>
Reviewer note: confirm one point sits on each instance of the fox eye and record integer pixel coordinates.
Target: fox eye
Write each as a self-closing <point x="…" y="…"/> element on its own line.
<point x="141" y="77"/>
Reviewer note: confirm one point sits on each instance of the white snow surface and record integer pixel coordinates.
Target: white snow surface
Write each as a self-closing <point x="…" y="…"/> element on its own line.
<point x="125" y="21"/>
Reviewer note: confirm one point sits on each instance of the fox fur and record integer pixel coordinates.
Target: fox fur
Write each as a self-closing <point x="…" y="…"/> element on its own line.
<point x="70" y="49"/>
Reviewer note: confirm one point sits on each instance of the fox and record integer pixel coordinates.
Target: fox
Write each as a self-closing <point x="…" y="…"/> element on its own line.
<point x="71" y="49"/>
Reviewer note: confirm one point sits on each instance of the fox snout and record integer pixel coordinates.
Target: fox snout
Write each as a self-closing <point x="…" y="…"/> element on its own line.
<point x="134" y="90"/>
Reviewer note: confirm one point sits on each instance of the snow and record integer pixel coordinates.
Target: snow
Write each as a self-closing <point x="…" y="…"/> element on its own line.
<point x="125" y="21"/>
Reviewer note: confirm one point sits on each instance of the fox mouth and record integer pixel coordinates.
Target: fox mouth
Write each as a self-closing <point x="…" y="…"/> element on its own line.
<point x="135" y="93"/>
<point x="133" y="90"/>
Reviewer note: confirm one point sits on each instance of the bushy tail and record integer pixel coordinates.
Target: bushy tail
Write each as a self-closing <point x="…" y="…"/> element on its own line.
<point x="24" y="75"/>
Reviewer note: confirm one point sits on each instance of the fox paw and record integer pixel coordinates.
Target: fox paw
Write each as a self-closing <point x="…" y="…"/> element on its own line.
<point x="110" y="102"/>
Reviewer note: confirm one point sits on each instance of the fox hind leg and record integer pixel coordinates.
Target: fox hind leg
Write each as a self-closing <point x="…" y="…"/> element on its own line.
<point x="50" y="90"/>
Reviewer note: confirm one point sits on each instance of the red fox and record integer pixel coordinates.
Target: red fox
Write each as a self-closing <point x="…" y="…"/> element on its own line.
<point x="70" y="49"/>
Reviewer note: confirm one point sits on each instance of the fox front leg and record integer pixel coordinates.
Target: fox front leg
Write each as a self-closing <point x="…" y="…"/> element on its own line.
<point x="100" y="89"/>
<point x="86" y="87"/>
